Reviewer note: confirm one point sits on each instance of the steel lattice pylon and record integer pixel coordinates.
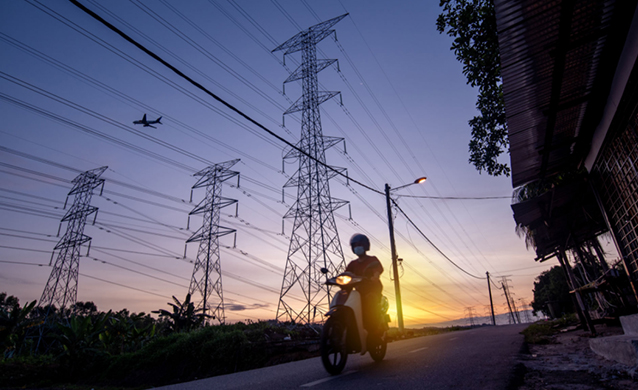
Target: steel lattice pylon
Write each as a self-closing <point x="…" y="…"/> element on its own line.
<point x="314" y="242"/>
<point x="206" y="284"/>
<point x="62" y="287"/>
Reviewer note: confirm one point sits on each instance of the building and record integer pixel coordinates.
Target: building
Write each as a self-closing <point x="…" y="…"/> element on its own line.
<point x="570" y="83"/>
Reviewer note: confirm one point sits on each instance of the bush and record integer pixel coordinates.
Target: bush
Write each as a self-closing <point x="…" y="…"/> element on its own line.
<point x="183" y="356"/>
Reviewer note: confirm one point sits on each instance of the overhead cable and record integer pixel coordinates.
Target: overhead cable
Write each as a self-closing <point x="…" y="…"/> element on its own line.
<point x="214" y="96"/>
<point x="431" y="243"/>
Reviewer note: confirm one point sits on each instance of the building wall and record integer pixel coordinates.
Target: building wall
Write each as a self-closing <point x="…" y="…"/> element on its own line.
<point x="615" y="175"/>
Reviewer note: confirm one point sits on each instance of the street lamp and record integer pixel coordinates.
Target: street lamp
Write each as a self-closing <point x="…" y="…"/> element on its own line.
<point x="393" y="247"/>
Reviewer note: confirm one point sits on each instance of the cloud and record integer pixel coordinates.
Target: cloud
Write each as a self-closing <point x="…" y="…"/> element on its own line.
<point x="238" y="307"/>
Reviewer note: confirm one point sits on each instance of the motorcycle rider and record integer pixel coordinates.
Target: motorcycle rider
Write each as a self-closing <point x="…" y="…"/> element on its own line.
<point x="370" y="269"/>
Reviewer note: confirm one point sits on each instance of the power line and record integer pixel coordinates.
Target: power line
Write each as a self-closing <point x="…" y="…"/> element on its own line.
<point x="128" y="99"/>
<point x="23" y="263"/>
<point x="431" y="243"/>
<point x="214" y="96"/>
<point x="455" y="197"/>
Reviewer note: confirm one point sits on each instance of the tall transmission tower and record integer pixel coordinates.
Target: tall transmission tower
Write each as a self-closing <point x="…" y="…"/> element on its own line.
<point x="510" y="300"/>
<point x="206" y="284"/>
<point x="314" y="242"/>
<point x="469" y="316"/>
<point x="62" y="287"/>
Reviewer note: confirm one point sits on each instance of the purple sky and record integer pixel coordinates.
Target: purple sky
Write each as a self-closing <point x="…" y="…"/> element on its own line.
<point x="65" y="78"/>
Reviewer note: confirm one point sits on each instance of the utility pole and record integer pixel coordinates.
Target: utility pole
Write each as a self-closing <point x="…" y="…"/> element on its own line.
<point x="489" y="289"/>
<point x="508" y="298"/>
<point x="62" y="287"/>
<point x="395" y="268"/>
<point x="206" y="283"/>
<point x="314" y="242"/>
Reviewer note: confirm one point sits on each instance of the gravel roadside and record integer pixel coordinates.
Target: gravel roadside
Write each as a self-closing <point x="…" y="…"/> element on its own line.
<point x="567" y="363"/>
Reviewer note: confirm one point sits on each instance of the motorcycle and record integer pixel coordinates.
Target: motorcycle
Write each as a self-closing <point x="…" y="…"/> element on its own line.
<point x="343" y="332"/>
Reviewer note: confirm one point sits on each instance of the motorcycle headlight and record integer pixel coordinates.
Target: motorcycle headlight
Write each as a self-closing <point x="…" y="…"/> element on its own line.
<point x="343" y="280"/>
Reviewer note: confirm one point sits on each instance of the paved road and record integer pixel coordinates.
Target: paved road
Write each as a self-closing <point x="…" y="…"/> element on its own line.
<point x="480" y="358"/>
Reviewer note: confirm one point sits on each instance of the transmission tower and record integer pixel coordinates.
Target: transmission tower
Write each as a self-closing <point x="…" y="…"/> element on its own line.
<point x="62" y="287"/>
<point x="206" y="284"/>
<point x="314" y="242"/>
<point x="469" y="316"/>
<point x="510" y="300"/>
<point x="525" y="308"/>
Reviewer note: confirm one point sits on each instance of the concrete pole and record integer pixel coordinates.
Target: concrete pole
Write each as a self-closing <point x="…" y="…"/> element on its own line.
<point x="395" y="268"/>
<point x="489" y="289"/>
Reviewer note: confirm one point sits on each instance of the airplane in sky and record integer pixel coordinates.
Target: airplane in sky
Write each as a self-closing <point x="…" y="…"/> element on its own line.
<point x="147" y="123"/>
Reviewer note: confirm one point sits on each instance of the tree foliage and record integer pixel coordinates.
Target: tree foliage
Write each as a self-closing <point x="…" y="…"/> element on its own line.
<point x="472" y="24"/>
<point x="550" y="287"/>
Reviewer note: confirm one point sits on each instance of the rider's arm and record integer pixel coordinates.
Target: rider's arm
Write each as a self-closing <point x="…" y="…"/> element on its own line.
<point x="374" y="270"/>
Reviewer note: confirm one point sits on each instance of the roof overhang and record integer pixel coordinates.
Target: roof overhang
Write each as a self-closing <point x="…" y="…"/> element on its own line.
<point x="559" y="63"/>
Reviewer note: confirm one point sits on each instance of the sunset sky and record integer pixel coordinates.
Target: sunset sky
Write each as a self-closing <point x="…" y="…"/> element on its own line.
<point x="70" y="90"/>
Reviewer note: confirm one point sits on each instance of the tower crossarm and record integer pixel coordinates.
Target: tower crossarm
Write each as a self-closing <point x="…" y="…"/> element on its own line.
<point x="78" y="212"/>
<point x="203" y="234"/>
<point x="336" y="171"/>
<point x="328" y="142"/>
<point x="205" y="204"/>
<point x="322" y="97"/>
<point x="312" y="35"/>
<point x="87" y="180"/>
<point x="68" y="241"/>
<point x="298" y="73"/>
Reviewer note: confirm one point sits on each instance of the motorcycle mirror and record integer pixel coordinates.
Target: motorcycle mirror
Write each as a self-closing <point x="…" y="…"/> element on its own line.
<point x="324" y="270"/>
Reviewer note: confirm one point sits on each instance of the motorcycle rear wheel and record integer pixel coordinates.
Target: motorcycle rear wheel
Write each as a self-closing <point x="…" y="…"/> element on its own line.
<point x="334" y="353"/>
<point x="377" y="347"/>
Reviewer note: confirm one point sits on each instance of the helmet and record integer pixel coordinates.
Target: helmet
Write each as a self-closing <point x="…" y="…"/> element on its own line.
<point x="359" y="238"/>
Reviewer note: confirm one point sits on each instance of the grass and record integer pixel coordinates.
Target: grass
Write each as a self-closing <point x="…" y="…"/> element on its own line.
<point x="542" y="332"/>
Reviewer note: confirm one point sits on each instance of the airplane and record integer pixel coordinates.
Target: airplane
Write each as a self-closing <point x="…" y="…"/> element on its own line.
<point x="147" y="123"/>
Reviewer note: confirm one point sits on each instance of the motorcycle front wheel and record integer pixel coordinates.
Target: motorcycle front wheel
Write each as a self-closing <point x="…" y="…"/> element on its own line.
<point x="334" y="353"/>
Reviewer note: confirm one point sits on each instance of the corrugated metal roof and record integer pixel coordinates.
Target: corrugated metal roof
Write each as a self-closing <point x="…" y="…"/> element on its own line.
<point x="550" y="61"/>
<point x="558" y="58"/>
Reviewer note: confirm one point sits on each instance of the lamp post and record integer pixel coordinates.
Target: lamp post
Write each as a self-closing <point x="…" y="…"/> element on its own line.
<point x="393" y="248"/>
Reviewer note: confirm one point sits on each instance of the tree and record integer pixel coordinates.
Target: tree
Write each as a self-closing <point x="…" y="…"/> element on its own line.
<point x="472" y="24"/>
<point x="84" y="309"/>
<point x="551" y="288"/>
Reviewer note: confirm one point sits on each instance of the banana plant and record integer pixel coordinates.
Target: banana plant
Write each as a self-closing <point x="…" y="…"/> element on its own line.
<point x="14" y="322"/>
<point x="80" y="337"/>
<point x="184" y="316"/>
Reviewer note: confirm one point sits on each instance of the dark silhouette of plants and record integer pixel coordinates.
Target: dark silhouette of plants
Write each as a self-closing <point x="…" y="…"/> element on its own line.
<point x="80" y="340"/>
<point x="127" y="333"/>
<point x="551" y="288"/>
<point x="472" y="24"/>
<point x="14" y="322"/>
<point x="184" y="316"/>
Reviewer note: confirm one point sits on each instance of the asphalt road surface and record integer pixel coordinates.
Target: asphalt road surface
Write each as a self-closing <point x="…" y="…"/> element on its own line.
<point x="482" y="358"/>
